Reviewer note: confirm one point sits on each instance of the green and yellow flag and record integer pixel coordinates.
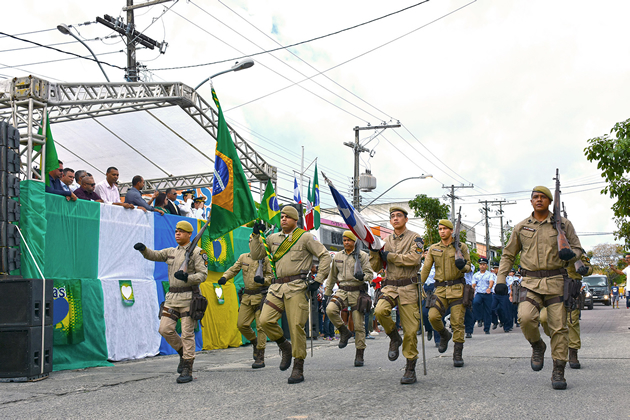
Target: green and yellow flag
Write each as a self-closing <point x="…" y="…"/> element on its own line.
<point x="52" y="160"/>
<point x="232" y="202"/>
<point x="269" y="209"/>
<point x="315" y="200"/>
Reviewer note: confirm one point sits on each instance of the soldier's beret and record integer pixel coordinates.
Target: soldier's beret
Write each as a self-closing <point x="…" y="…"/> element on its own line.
<point x="543" y="190"/>
<point x="483" y="261"/>
<point x="184" y="225"/>
<point x="446" y="222"/>
<point x="291" y="212"/>
<point x="348" y="234"/>
<point x="397" y="208"/>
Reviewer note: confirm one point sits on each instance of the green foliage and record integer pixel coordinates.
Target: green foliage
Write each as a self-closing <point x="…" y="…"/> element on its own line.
<point x="431" y="211"/>
<point x="612" y="154"/>
<point x="517" y="259"/>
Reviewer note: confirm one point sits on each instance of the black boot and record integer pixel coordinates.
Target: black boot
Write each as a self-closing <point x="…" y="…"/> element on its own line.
<point x="186" y="375"/>
<point x="574" y="363"/>
<point x="445" y="337"/>
<point x="260" y="359"/>
<point x="538" y="355"/>
<point x="344" y="336"/>
<point x="181" y="360"/>
<point x="255" y="348"/>
<point x="429" y="335"/>
<point x="457" y="354"/>
<point x="410" y="372"/>
<point x="358" y="358"/>
<point x="395" y="341"/>
<point x="298" y="371"/>
<point x="557" y="376"/>
<point x="285" y="349"/>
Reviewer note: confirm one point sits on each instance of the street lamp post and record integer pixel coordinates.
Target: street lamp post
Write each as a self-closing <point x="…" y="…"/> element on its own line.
<point x="239" y="65"/>
<point x="64" y="29"/>
<point x="423" y="176"/>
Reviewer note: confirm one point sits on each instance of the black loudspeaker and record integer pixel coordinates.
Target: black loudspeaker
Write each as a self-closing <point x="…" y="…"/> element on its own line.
<point x="23" y="302"/>
<point x="22" y="357"/>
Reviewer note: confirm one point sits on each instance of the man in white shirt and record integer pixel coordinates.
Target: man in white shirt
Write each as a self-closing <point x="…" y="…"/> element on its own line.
<point x="108" y="190"/>
<point x="198" y="209"/>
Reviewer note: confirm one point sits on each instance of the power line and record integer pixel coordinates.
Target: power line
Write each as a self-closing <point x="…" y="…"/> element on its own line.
<point x="59" y="43"/>
<point x="61" y="59"/>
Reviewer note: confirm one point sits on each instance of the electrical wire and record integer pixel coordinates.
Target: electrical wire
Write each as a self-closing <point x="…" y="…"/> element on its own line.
<point x="60" y="59"/>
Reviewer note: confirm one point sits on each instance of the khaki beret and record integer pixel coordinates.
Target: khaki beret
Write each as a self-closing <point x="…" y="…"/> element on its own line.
<point x="185" y="226"/>
<point x="291" y="212"/>
<point x="543" y="190"/>
<point x="396" y="208"/>
<point x="446" y="222"/>
<point x="348" y="234"/>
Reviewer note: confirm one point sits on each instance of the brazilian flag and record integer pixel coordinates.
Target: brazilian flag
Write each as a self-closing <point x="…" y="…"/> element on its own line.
<point x="269" y="209"/>
<point x="232" y="202"/>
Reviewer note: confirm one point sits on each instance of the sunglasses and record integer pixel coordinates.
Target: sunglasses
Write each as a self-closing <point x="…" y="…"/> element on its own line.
<point x="91" y="185"/>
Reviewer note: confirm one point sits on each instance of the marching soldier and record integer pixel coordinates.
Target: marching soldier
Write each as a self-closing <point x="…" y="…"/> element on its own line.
<point x="573" y="321"/>
<point x="449" y="289"/>
<point x="254" y="295"/>
<point x="177" y="300"/>
<point x="543" y="280"/>
<point x="292" y="251"/>
<point x="401" y="258"/>
<point x="350" y="288"/>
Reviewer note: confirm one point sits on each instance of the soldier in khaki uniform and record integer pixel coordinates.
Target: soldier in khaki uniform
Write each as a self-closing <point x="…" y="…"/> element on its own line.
<point x="449" y="289"/>
<point x="292" y="251"/>
<point x="177" y="300"/>
<point x="573" y="320"/>
<point x="400" y="257"/>
<point x="350" y="287"/>
<point x="543" y="280"/>
<point x="254" y="294"/>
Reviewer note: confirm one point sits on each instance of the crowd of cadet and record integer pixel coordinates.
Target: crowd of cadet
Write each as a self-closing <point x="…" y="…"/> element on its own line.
<point x="80" y="185"/>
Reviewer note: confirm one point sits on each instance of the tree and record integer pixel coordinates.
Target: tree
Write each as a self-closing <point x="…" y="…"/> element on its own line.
<point x="431" y="211"/>
<point x="603" y="255"/>
<point x="517" y="259"/>
<point x="612" y="154"/>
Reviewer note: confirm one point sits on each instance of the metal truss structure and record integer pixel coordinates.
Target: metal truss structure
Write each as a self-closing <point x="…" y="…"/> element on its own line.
<point x="25" y="102"/>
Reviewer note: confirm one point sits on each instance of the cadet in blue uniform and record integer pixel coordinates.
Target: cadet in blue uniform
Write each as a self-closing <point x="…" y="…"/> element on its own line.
<point x="483" y="282"/>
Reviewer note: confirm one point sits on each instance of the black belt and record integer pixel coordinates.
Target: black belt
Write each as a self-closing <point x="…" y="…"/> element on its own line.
<point x="351" y="288"/>
<point x="544" y="273"/>
<point x="400" y="282"/>
<point x="439" y="283"/>
<point x="184" y="289"/>
<point x="260" y="291"/>
<point x="287" y="279"/>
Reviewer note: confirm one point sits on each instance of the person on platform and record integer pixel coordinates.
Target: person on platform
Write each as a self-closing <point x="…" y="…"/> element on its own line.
<point x="198" y="210"/>
<point x="400" y="257"/>
<point x="292" y="252"/>
<point x="67" y="178"/>
<point x="107" y="189"/>
<point x="536" y="239"/>
<point x="177" y="300"/>
<point x="134" y="196"/>
<point x="86" y="192"/>
<point x="449" y="289"/>
<point x="55" y="187"/>
<point x="257" y="276"/>
<point x="78" y="176"/>
<point x="350" y="288"/>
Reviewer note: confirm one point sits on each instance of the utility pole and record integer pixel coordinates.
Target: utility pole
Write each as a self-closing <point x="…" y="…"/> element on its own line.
<point x="133" y="37"/>
<point x="485" y="209"/>
<point x="358" y="149"/>
<point x="453" y="197"/>
<point x="500" y="213"/>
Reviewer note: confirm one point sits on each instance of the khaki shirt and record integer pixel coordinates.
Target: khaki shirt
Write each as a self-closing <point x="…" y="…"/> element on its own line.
<point x="342" y="271"/>
<point x="174" y="258"/>
<point x="298" y="260"/>
<point x="403" y="262"/>
<point x="249" y="266"/>
<point x="538" y="244"/>
<point x="443" y="256"/>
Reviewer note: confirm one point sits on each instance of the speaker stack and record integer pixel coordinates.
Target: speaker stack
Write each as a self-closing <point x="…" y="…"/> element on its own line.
<point x="26" y="331"/>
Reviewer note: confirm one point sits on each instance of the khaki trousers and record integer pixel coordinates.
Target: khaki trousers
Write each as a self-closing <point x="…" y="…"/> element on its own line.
<point x="529" y="317"/>
<point x="187" y="340"/>
<point x="573" y="322"/>
<point x="333" y="312"/>
<point x="457" y="318"/>
<point x="246" y="315"/>
<point x="410" y="321"/>
<point x="296" y="308"/>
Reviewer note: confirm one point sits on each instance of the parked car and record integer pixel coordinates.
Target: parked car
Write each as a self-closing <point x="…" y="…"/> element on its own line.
<point x="588" y="297"/>
<point x="599" y="288"/>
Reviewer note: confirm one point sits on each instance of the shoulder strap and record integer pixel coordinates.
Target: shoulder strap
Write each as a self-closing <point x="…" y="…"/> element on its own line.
<point x="286" y="245"/>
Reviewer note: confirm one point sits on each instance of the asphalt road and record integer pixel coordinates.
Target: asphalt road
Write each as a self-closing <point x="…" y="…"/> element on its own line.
<point x="496" y="382"/>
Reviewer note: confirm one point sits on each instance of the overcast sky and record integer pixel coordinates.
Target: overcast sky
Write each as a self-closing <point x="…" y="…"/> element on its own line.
<point x="500" y="92"/>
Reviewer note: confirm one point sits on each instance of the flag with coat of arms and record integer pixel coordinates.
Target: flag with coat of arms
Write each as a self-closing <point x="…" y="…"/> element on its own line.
<point x="269" y="209"/>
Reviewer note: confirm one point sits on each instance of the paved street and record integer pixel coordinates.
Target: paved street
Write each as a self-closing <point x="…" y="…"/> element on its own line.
<point x="496" y="382"/>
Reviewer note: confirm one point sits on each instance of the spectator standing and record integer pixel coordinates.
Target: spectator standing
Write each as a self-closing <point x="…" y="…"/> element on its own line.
<point x="86" y="192"/>
<point x="67" y="178"/>
<point x="78" y="175"/>
<point x="55" y="186"/>
<point x="107" y="189"/>
<point x="614" y="293"/>
<point x="160" y="203"/>
<point x="624" y="272"/>
<point x="171" y="196"/>
<point x="198" y="209"/>
<point x="135" y="197"/>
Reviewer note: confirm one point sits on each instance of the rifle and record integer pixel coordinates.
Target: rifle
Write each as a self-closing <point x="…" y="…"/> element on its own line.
<point x="564" y="248"/>
<point x="460" y="262"/>
<point x="579" y="265"/>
